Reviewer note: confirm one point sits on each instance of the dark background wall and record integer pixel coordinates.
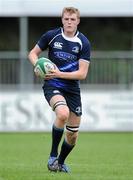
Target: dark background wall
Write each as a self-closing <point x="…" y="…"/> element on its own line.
<point x="104" y="33"/>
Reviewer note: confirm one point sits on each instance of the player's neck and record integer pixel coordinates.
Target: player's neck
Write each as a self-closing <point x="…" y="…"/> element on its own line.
<point x="69" y="34"/>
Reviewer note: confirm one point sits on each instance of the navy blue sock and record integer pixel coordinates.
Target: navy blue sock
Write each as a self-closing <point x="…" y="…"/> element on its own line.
<point x="56" y="138"/>
<point x="65" y="150"/>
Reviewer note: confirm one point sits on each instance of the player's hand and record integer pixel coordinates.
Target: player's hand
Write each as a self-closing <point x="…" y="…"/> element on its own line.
<point x="53" y="74"/>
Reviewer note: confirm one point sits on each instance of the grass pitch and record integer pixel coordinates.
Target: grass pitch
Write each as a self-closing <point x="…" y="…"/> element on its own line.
<point x="97" y="156"/>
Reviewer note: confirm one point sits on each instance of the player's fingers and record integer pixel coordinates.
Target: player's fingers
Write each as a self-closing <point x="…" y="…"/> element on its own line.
<point x="49" y="76"/>
<point x="52" y="71"/>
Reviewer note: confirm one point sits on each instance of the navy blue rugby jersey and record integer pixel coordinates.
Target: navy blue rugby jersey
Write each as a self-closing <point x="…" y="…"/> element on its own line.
<point x="65" y="52"/>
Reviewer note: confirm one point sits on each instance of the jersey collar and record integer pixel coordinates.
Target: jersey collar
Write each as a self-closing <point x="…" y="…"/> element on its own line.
<point x="68" y="38"/>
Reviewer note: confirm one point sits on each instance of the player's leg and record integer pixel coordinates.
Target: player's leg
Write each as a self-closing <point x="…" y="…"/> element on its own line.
<point x="59" y="105"/>
<point x="72" y="126"/>
<point x="69" y="142"/>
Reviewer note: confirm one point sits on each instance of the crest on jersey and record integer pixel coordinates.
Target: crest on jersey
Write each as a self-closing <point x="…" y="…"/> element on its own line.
<point x="58" y="45"/>
<point x="75" y="49"/>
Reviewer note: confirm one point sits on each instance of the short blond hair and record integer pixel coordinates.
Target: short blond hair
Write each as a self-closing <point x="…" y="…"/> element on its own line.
<point x="71" y="10"/>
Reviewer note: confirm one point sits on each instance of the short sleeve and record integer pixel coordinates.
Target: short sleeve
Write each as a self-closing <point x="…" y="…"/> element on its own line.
<point x="85" y="52"/>
<point x="44" y="40"/>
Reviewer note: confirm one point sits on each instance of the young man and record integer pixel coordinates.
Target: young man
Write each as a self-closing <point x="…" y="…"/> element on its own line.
<point x="69" y="50"/>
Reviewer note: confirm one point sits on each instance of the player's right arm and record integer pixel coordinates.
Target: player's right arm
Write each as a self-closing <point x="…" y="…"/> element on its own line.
<point x="34" y="54"/>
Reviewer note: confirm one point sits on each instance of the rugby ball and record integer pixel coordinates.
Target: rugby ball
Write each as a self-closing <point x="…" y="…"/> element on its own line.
<point x="43" y="66"/>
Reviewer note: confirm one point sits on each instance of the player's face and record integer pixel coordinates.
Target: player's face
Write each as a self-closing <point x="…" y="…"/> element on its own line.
<point x="70" y="23"/>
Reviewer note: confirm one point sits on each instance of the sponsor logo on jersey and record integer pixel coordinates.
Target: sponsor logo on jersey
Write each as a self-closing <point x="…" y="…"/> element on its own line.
<point x="65" y="56"/>
<point x="58" y="45"/>
<point x="75" y="49"/>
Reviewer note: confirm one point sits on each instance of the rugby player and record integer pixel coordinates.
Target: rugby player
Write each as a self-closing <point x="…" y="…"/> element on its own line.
<point x="69" y="50"/>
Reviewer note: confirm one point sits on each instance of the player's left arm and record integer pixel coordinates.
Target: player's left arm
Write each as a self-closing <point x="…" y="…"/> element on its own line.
<point x="80" y="74"/>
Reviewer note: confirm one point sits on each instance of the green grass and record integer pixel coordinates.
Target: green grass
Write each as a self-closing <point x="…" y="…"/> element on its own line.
<point x="97" y="156"/>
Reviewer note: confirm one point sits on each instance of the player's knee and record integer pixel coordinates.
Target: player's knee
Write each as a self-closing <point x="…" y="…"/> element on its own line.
<point x="63" y="114"/>
<point x="62" y="111"/>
